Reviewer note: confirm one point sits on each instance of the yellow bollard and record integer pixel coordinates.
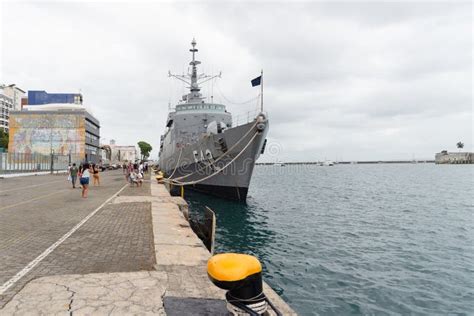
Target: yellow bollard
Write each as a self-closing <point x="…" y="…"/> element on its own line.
<point x="182" y="192"/>
<point x="241" y="276"/>
<point x="159" y="178"/>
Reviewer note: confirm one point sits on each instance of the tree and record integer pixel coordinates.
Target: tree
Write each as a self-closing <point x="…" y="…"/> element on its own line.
<point x="145" y="149"/>
<point x="460" y="145"/>
<point x="3" y="139"/>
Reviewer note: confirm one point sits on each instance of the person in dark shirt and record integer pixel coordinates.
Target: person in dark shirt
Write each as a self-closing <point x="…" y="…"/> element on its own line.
<point x="73" y="173"/>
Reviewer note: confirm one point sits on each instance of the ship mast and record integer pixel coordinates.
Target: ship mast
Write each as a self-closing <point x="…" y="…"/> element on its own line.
<point x="193" y="79"/>
<point x="194" y="63"/>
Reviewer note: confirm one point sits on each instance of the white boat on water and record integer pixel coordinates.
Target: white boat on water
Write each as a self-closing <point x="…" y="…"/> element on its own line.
<point x="279" y="163"/>
<point x="328" y="163"/>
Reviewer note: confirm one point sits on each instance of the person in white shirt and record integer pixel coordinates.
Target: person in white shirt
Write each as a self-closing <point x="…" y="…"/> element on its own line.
<point x="84" y="180"/>
<point x="139" y="179"/>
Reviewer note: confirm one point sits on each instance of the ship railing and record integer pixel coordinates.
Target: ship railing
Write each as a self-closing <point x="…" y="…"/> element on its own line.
<point x="244" y="118"/>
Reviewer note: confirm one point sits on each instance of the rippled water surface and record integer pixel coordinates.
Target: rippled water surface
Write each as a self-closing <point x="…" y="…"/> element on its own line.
<point x="358" y="239"/>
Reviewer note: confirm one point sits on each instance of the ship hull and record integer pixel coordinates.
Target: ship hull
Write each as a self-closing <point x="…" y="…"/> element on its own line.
<point x="224" y="192"/>
<point x="219" y="164"/>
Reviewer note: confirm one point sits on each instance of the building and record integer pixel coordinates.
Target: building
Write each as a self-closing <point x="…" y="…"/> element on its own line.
<point x="62" y="129"/>
<point x="445" y="157"/>
<point x="39" y="97"/>
<point x="10" y="100"/>
<point x="120" y="154"/>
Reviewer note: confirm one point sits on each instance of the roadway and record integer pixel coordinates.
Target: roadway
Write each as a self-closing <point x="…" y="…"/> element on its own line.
<point x="47" y="228"/>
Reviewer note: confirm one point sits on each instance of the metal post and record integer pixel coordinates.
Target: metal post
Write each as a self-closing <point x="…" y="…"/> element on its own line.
<point x="52" y="154"/>
<point x="261" y="92"/>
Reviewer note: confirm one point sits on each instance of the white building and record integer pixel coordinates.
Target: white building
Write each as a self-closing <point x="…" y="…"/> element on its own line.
<point x="10" y="100"/>
<point x="120" y="154"/>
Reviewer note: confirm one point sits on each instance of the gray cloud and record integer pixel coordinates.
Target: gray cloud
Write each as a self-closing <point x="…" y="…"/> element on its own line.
<point x="363" y="80"/>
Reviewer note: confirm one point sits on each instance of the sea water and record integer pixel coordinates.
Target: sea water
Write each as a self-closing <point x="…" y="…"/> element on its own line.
<point x="382" y="239"/>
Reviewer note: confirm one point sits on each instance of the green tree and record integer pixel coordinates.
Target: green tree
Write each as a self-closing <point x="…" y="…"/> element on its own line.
<point x="460" y="145"/>
<point x="3" y="139"/>
<point x="145" y="149"/>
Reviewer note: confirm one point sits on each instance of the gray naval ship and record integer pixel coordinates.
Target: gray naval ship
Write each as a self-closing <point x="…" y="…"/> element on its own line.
<point x="202" y="150"/>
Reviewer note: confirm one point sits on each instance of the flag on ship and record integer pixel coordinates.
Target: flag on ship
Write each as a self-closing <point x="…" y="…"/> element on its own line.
<point x="256" y="82"/>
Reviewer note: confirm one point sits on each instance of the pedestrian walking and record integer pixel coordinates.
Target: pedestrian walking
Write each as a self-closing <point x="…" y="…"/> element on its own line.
<point x="96" y="177"/>
<point x="73" y="171"/>
<point x="127" y="172"/>
<point x="86" y="174"/>
<point x="79" y="174"/>
<point x="140" y="168"/>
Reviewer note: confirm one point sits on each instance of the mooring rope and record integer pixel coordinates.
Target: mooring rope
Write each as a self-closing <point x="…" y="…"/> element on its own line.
<point x="177" y="163"/>
<point x="172" y="181"/>
<point x="220" y="157"/>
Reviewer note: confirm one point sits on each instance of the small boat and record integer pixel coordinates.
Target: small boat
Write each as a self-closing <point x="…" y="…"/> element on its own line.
<point x="328" y="163"/>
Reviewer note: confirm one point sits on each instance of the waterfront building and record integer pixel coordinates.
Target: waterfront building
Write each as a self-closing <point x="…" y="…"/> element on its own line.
<point x="10" y="100"/>
<point x="39" y="97"/>
<point x="445" y="157"/>
<point x="122" y="153"/>
<point x="62" y="129"/>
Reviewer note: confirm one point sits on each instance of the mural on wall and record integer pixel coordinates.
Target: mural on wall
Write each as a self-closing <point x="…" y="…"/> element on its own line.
<point x="43" y="133"/>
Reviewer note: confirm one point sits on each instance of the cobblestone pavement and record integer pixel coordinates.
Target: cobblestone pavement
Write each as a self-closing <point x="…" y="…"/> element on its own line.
<point x="179" y="286"/>
<point x="37" y="211"/>
<point x="144" y="190"/>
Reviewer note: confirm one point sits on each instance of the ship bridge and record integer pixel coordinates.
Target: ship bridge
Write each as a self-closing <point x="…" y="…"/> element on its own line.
<point x="201" y="107"/>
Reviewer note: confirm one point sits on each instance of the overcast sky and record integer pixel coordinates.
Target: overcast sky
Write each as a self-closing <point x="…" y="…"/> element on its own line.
<point x="343" y="80"/>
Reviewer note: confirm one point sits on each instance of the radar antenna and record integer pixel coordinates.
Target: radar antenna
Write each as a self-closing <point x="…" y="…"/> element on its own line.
<point x="193" y="79"/>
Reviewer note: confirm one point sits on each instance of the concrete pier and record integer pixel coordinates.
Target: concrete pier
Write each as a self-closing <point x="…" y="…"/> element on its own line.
<point x="176" y="284"/>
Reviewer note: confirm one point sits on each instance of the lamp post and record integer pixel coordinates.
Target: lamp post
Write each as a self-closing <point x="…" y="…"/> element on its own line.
<point x="52" y="160"/>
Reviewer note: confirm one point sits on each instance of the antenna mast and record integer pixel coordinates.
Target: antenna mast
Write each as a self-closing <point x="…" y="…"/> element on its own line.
<point x="193" y="79"/>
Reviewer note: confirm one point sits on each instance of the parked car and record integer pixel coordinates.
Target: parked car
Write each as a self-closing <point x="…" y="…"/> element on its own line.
<point x="104" y="167"/>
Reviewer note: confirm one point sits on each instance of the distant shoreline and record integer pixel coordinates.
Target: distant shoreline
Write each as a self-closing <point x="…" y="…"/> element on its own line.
<point x="349" y="162"/>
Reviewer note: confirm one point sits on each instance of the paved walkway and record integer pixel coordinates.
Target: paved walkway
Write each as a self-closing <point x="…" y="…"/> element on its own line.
<point x="178" y="286"/>
<point x="36" y="213"/>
